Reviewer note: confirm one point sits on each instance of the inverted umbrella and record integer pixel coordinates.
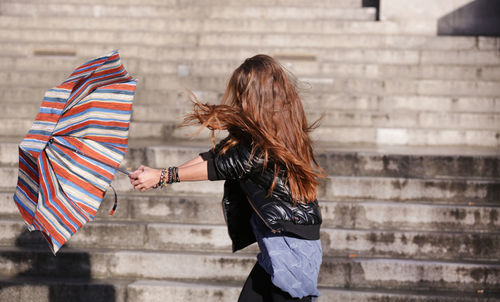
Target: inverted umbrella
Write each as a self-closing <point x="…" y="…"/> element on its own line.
<point x="69" y="157"/>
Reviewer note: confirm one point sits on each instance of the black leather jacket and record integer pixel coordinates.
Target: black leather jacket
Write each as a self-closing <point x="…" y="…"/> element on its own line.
<point x="245" y="192"/>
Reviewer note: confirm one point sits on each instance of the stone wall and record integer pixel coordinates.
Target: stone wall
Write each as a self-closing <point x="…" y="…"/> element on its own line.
<point x="444" y="17"/>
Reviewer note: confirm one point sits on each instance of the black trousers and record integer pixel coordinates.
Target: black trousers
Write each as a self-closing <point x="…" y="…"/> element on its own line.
<point x="260" y="288"/>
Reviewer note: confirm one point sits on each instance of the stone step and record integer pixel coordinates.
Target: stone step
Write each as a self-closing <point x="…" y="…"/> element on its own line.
<point x="126" y="235"/>
<point x="394" y="188"/>
<point x="159" y="207"/>
<point x="341" y="101"/>
<point x="336" y="272"/>
<point x="344" y="135"/>
<point x="188" y="11"/>
<point x="26" y="288"/>
<point x="154" y="291"/>
<point x="409" y="162"/>
<point x="240" y="39"/>
<point x="404" y="136"/>
<point x="485" y="55"/>
<point x="152" y="24"/>
<point x="315" y="69"/>
<point x="453" y="190"/>
<point x="175" y="3"/>
<point x="310" y="99"/>
<point x="352" y="86"/>
<point x="335" y="134"/>
<point x="21" y="289"/>
<point x="395" y="119"/>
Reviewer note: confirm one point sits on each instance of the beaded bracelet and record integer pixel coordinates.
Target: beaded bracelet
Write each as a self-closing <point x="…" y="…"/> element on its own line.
<point x="161" y="183"/>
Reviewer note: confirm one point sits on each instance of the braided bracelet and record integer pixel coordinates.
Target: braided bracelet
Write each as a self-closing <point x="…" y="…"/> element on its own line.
<point x="173" y="175"/>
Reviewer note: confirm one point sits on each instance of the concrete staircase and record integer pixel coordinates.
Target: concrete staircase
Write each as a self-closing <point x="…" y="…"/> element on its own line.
<point x="410" y="140"/>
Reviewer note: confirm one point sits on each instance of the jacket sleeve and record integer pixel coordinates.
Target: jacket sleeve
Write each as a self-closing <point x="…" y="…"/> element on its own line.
<point x="234" y="164"/>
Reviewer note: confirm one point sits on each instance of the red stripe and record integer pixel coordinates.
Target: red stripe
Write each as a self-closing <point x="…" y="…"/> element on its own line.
<point x="87" y="209"/>
<point x="91" y="152"/>
<point x="48" y="117"/>
<point x="78" y="158"/>
<point x="52" y="232"/>
<point x="119" y="86"/>
<point x="63" y="173"/>
<point x="92" y="122"/>
<point x="99" y="104"/>
<point x="68" y="86"/>
<point x="37" y="136"/>
<point x="55" y="199"/>
<point x="26" y="216"/>
<point x="56" y="105"/>
<point x="25" y="169"/>
<point x="27" y="191"/>
<point x="109" y="140"/>
<point x="89" y="83"/>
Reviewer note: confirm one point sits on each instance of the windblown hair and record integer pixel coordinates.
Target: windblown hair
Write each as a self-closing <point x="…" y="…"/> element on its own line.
<point x="261" y="105"/>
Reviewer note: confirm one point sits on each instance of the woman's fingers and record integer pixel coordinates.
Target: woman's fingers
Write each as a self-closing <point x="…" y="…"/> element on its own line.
<point x="144" y="178"/>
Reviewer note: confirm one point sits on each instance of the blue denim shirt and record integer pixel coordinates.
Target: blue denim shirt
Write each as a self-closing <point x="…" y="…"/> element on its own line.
<point x="293" y="263"/>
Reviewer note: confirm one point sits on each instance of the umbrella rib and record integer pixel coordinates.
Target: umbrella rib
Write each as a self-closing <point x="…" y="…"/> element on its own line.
<point x="52" y="141"/>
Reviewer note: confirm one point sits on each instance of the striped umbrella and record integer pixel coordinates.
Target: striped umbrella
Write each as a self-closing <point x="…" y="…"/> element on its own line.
<point x="69" y="157"/>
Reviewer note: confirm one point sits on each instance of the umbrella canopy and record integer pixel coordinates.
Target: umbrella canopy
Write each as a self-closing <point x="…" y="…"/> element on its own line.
<point x="69" y="157"/>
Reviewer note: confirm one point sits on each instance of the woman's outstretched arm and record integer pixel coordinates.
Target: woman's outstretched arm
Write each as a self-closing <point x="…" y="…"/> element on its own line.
<point x="145" y="178"/>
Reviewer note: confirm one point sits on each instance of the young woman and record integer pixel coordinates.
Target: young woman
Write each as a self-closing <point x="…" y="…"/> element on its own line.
<point x="271" y="176"/>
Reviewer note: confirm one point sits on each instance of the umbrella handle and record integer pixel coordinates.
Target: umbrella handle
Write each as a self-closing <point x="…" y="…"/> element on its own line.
<point x="52" y="141"/>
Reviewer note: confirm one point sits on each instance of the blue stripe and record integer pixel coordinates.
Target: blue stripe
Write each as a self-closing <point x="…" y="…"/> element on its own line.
<point x="32" y="149"/>
<point x="115" y="146"/>
<point x="84" y="168"/>
<point x="87" y="85"/>
<point x="29" y="188"/>
<point x="59" y="90"/>
<point x="108" y="146"/>
<point x="44" y="123"/>
<point x="40" y="132"/>
<point x="21" y="159"/>
<point x="107" y="100"/>
<point x="97" y="127"/>
<point x="33" y="140"/>
<point x="50" y="110"/>
<point x="22" y="204"/>
<point x="54" y="204"/>
<point x="93" y="109"/>
<point x="79" y="189"/>
<point x="54" y="100"/>
<point x="94" y="78"/>
<point x="99" y="90"/>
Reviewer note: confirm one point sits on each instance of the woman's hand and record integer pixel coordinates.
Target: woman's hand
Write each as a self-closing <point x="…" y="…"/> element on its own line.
<point x="145" y="178"/>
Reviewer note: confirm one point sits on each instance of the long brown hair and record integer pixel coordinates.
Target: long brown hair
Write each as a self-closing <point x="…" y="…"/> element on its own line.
<point x="261" y="104"/>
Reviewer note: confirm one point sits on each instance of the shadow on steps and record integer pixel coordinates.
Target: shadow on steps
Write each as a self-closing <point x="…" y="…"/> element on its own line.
<point x="65" y="277"/>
